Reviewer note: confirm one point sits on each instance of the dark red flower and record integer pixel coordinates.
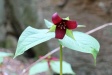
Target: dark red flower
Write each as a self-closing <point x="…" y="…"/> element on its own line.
<point x="62" y="25"/>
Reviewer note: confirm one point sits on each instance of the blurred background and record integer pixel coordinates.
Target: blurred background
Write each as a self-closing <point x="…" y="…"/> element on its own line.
<point x="16" y="15"/>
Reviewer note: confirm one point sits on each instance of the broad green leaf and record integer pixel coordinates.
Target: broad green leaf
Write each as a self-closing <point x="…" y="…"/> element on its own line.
<point x="39" y="68"/>
<point x="48" y="23"/>
<point x="70" y="33"/>
<point x="55" y="66"/>
<point x="32" y="37"/>
<point x="4" y="54"/>
<point x="83" y="43"/>
<point x="1" y="60"/>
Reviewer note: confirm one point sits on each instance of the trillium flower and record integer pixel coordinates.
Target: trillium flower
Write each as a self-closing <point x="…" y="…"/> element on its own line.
<point x="62" y="25"/>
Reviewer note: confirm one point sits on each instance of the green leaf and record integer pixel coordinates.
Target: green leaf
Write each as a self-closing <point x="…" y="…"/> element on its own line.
<point x="70" y="34"/>
<point x="55" y="66"/>
<point x="1" y="60"/>
<point x="4" y="54"/>
<point x="94" y="53"/>
<point x="48" y="23"/>
<point x="32" y="37"/>
<point x="52" y="29"/>
<point x="39" y="68"/>
<point x="67" y="18"/>
<point x="83" y="43"/>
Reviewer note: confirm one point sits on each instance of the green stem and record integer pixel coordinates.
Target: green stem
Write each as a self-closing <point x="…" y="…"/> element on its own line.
<point x="61" y="58"/>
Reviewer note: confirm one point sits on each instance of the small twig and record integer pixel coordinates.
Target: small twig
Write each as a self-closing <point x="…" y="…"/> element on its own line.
<point x="57" y="49"/>
<point x="98" y="28"/>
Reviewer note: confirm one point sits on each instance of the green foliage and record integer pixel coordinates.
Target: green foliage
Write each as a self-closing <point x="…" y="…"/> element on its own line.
<point x="1" y="60"/>
<point x="52" y="29"/>
<point x="66" y="67"/>
<point x="67" y="18"/>
<point x="83" y="43"/>
<point x="4" y="54"/>
<point x="39" y="68"/>
<point x="74" y="40"/>
<point x="70" y="33"/>
<point x="48" y="23"/>
<point x="32" y="37"/>
<point x="55" y="67"/>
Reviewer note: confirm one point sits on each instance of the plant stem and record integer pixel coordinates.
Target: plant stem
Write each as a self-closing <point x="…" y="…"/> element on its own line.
<point x="61" y="58"/>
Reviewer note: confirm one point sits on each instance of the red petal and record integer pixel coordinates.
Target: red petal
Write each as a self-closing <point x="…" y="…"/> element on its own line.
<point x="71" y="24"/>
<point x="55" y="18"/>
<point x="59" y="33"/>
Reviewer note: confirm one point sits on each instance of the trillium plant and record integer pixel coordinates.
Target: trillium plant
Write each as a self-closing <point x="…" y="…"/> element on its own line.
<point x="61" y="29"/>
<point x="52" y="65"/>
